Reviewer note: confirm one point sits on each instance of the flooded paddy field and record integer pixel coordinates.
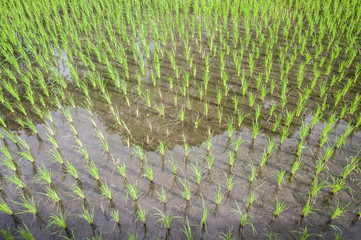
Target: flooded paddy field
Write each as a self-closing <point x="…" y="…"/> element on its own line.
<point x="180" y="120"/>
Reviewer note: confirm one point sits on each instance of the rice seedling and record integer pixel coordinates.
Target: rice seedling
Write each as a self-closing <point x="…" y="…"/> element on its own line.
<point x="209" y="159"/>
<point x="88" y="216"/>
<point x="122" y="170"/>
<point x="60" y="221"/>
<point x="198" y="173"/>
<point x="43" y="174"/>
<point x="4" y="207"/>
<point x="162" y="197"/>
<point x="148" y="173"/>
<point x="187" y="230"/>
<point x="52" y="196"/>
<point x="93" y="171"/>
<point x="105" y="191"/>
<point x="165" y="219"/>
<point x="78" y="192"/>
<point x="13" y="178"/>
<point x="187" y="190"/>
<point x="203" y="223"/>
<point x="133" y="191"/>
<point x="244" y="221"/>
<point x="141" y="216"/>
<point x="162" y="148"/>
<point x="28" y="206"/>
<point x="229" y="182"/>
<point x="25" y="233"/>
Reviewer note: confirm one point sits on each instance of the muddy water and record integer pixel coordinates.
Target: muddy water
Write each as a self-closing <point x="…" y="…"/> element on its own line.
<point x="147" y="128"/>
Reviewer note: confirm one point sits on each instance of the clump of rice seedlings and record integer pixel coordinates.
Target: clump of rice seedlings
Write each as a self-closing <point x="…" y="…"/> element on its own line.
<point x="79" y="192"/>
<point x="59" y="220"/>
<point x="244" y="221"/>
<point x="93" y="171"/>
<point x="251" y="199"/>
<point x="187" y="190"/>
<point x="162" y="148"/>
<point x="280" y="207"/>
<point x="133" y="191"/>
<point x="230" y="183"/>
<point x="220" y="114"/>
<point x="227" y="236"/>
<point x="122" y="170"/>
<point x="43" y="174"/>
<point x="198" y="173"/>
<point x="255" y="130"/>
<point x="56" y="157"/>
<point x="336" y="213"/>
<point x="165" y="221"/>
<point x="105" y="191"/>
<point x="209" y="159"/>
<point x="232" y="159"/>
<point x="115" y="217"/>
<point x="240" y="117"/>
<point x="13" y="178"/>
<point x="88" y="217"/>
<point x="71" y="170"/>
<point x="53" y="197"/>
<point x="342" y="140"/>
<point x="203" y="223"/>
<point x="148" y="173"/>
<point x="139" y="151"/>
<point x="7" y="159"/>
<point x="187" y="230"/>
<point x="237" y="143"/>
<point x="162" y="197"/>
<point x="25" y="233"/>
<point x="219" y="196"/>
<point x="4" y="207"/>
<point x="29" y="206"/>
<point x="141" y="217"/>
<point x="307" y="209"/>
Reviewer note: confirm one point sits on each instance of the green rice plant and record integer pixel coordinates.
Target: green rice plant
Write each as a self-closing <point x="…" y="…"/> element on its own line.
<point x="162" y="197"/>
<point x="93" y="171"/>
<point x="122" y="170"/>
<point x="354" y="105"/>
<point x="78" y="192"/>
<point x="58" y="220"/>
<point x="203" y="223"/>
<point x="57" y="158"/>
<point x="198" y="173"/>
<point x="229" y="182"/>
<point x="255" y="130"/>
<point x="7" y="159"/>
<point x="133" y="191"/>
<point x="13" y="91"/>
<point x="7" y="234"/>
<point x="105" y="191"/>
<point x="174" y="166"/>
<point x="162" y="147"/>
<point x="148" y="173"/>
<point x="187" y="190"/>
<point x="244" y="220"/>
<point x="13" y="178"/>
<point x="219" y="96"/>
<point x="186" y="148"/>
<point x="139" y="151"/>
<point x="251" y="98"/>
<point x="219" y="195"/>
<point x="277" y="122"/>
<point x="338" y="211"/>
<point x="4" y="207"/>
<point x="232" y="158"/>
<point x="165" y="219"/>
<point x="209" y="159"/>
<point x="220" y="114"/>
<point x="160" y="110"/>
<point x="295" y="166"/>
<point x="87" y="216"/>
<point x="187" y="230"/>
<point x="28" y="205"/>
<point x="285" y="132"/>
<point x="71" y="170"/>
<point x="316" y="188"/>
<point x="52" y="195"/>
<point x="230" y="127"/>
<point x="237" y="143"/>
<point x="227" y="236"/>
<point x="141" y="216"/>
<point x="43" y="174"/>
<point x="25" y="233"/>
<point x="280" y="207"/>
